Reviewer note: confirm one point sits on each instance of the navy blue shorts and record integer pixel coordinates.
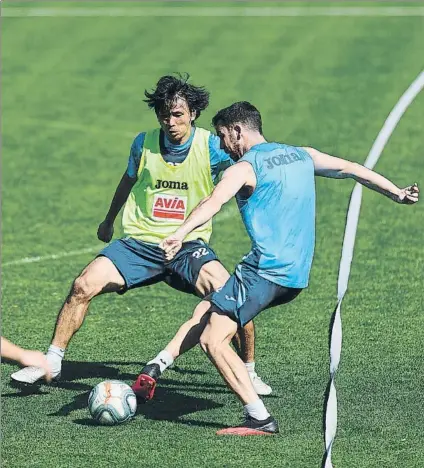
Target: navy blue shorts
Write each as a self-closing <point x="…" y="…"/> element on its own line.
<point x="141" y="263"/>
<point x="246" y="293"/>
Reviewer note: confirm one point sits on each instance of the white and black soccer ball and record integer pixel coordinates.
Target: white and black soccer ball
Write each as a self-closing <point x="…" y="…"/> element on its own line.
<point x="112" y="402"/>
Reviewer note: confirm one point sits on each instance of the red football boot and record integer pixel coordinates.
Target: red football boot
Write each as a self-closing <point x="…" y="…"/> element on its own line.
<point x="144" y="386"/>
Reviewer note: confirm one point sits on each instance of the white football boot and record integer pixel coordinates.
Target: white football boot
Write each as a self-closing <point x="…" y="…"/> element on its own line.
<point x="32" y="374"/>
<point x="261" y="388"/>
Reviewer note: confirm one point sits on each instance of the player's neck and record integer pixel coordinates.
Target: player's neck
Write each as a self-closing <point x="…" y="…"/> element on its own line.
<point x="253" y="139"/>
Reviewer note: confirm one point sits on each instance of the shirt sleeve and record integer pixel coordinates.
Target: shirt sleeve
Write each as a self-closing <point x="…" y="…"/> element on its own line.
<point x="135" y="155"/>
<point x="220" y="160"/>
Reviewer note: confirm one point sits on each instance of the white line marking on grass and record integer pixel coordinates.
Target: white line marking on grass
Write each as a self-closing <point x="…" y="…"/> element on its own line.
<point x="212" y="11"/>
<point x="230" y="213"/>
<point x="347" y="255"/>
<point x="44" y="258"/>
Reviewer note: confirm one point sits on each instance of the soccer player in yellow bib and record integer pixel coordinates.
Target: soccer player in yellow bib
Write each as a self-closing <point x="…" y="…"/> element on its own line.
<point x="170" y="170"/>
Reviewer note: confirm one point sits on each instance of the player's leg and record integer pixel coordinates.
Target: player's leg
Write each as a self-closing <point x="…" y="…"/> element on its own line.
<point x="100" y="276"/>
<point x="183" y="275"/>
<point x="122" y="265"/>
<point x="189" y="333"/>
<point x="243" y="297"/>
<point x="244" y="343"/>
<point x="194" y="269"/>
<point x="211" y="277"/>
<point x="186" y="337"/>
<point x="215" y="341"/>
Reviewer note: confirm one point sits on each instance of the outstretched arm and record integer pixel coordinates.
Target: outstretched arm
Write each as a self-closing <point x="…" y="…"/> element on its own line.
<point x="337" y="168"/>
<point x="233" y="179"/>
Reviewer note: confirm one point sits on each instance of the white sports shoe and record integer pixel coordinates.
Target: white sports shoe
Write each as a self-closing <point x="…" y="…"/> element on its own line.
<point x="32" y="374"/>
<point x="261" y="388"/>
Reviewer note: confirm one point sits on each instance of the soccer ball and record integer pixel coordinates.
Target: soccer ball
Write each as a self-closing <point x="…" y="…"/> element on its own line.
<point x="112" y="402"/>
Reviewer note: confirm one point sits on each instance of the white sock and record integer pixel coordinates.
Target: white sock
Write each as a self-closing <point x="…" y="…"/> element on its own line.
<point x="257" y="410"/>
<point x="250" y="366"/>
<point x="54" y="356"/>
<point x="163" y="359"/>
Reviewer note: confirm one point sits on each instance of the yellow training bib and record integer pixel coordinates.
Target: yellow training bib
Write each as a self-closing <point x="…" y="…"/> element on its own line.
<point x="164" y="195"/>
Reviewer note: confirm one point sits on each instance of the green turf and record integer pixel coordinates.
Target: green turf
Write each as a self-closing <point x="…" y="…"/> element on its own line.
<point x="72" y="99"/>
<point x="212" y="3"/>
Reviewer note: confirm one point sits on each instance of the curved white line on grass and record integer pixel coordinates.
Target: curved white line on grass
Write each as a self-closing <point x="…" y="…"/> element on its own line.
<point x="212" y="11"/>
<point x="346" y="260"/>
<point x="230" y="213"/>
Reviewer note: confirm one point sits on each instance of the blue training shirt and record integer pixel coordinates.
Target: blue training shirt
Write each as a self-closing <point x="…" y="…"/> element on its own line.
<point x="176" y="154"/>
<point x="280" y="214"/>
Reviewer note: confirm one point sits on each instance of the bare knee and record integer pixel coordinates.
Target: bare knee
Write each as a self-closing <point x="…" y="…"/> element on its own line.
<point x="212" y="276"/>
<point x="82" y="290"/>
<point x="204" y="342"/>
<point x="209" y="343"/>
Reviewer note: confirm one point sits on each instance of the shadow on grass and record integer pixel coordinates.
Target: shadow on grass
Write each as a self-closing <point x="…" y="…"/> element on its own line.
<point x="168" y="405"/>
<point x="186" y="422"/>
<point x="80" y="370"/>
<point x="24" y="391"/>
<point x="75" y="370"/>
<point x="41" y="388"/>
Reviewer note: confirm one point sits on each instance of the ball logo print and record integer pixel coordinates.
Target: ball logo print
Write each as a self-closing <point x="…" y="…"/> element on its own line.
<point x="112" y="402"/>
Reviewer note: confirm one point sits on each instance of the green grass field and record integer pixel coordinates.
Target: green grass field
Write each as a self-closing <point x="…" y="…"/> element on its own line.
<point x="72" y="92"/>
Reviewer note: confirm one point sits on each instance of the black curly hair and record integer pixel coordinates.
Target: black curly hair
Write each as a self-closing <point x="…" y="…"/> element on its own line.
<point x="171" y="87"/>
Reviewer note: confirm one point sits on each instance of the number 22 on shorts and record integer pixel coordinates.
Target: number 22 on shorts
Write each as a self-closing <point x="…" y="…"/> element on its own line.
<point x="200" y="252"/>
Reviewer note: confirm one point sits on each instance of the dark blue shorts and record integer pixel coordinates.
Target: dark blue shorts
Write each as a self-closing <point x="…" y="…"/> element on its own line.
<point x="141" y="263"/>
<point x="246" y="293"/>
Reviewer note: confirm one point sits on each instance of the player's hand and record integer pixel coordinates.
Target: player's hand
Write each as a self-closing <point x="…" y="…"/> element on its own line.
<point x="171" y="246"/>
<point x="37" y="359"/>
<point x="408" y="195"/>
<point x="105" y="231"/>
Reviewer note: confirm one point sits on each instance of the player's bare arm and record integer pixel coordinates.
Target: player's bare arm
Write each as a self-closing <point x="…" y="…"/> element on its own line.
<point x="25" y="357"/>
<point x="233" y="179"/>
<point x="105" y="230"/>
<point x="338" y="168"/>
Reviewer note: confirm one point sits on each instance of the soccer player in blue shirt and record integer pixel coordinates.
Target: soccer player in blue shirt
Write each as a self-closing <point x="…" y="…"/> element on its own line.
<point x="274" y="185"/>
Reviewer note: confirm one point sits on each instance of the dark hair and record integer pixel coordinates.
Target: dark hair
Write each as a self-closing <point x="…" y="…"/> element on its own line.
<point x="240" y="112"/>
<point x="169" y="88"/>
